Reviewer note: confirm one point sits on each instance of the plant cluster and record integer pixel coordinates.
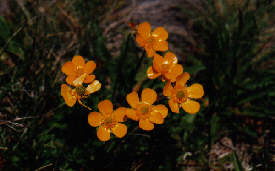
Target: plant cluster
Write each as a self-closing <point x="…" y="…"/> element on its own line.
<point x="141" y="109"/>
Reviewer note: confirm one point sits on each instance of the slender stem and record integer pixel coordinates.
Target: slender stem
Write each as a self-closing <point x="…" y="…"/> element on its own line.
<point x="134" y="72"/>
<point x="119" y="66"/>
<point x="139" y="62"/>
<point x="10" y="39"/>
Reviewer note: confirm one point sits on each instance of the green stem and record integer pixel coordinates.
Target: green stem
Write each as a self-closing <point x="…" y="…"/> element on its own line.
<point x="119" y="66"/>
<point x="134" y="72"/>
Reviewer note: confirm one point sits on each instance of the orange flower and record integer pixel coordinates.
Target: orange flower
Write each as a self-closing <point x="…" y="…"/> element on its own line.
<point x="181" y="96"/>
<point x="72" y="95"/>
<point x="108" y="121"/>
<point x="151" y="41"/>
<point x="78" y="71"/>
<point x="143" y="111"/>
<point x="166" y="66"/>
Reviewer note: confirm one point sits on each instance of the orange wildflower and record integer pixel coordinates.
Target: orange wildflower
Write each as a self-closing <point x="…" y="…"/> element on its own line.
<point x="108" y="121"/>
<point x="166" y="66"/>
<point x="181" y="96"/>
<point x="143" y="111"/>
<point x="78" y="71"/>
<point x="72" y="95"/>
<point x="151" y="41"/>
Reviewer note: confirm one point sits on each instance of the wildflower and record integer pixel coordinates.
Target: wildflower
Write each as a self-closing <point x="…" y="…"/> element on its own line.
<point x="166" y="66"/>
<point x="151" y="41"/>
<point x="72" y="95"/>
<point x="181" y="96"/>
<point x="78" y="71"/>
<point x="143" y="111"/>
<point x="108" y="121"/>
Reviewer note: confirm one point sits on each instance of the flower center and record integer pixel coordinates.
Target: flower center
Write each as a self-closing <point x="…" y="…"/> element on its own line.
<point x="143" y="110"/>
<point x="81" y="90"/>
<point x="150" y="39"/>
<point x="109" y="122"/>
<point x="181" y="96"/>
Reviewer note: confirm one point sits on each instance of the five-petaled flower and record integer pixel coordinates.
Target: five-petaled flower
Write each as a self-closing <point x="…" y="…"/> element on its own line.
<point x="78" y="71"/>
<point x="151" y="41"/>
<point x="108" y="120"/>
<point x="181" y="96"/>
<point x="143" y="111"/>
<point x="166" y="66"/>
<point x="72" y="95"/>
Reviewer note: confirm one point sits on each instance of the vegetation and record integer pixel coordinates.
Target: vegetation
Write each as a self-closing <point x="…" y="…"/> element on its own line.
<point x="230" y="51"/>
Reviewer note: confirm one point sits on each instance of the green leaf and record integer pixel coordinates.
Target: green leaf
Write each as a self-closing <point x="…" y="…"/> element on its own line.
<point x="99" y="44"/>
<point x="15" y="49"/>
<point x="236" y="162"/>
<point x="189" y="118"/>
<point x="214" y="127"/>
<point x="4" y="29"/>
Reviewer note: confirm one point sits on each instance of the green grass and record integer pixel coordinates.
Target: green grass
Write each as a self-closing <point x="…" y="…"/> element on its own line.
<point x="232" y="57"/>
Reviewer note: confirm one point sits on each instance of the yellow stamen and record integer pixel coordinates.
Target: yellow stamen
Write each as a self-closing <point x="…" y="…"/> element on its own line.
<point x="144" y="110"/>
<point x="109" y="122"/>
<point x="180" y="94"/>
<point x="81" y="90"/>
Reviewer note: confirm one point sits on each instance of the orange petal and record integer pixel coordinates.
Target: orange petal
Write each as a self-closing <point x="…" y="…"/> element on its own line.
<point x="78" y="61"/>
<point x="93" y="87"/>
<point x="66" y="93"/>
<point x="105" y="107"/>
<point x="70" y="79"/>
<point x="151" y="74"/>
<point x="156" y="118"/>
<point x="64" y="90"/>
<point x="103" y="133"/>
<point x="145" y="124"/>
<point x="160" y="33"/>
<point x="161" y="109"/>
<point x="171" y="57"/>
<point x="175" y="71"/>
<point x="89" y="67"/>
<point x="195" y="91"/>
<point x="160" y="46"/>
<point x="174" y="106"/>
<point x="157" y="62"/>
<point x="190" y="106"/>
<point x="182" y="79"/>
<point x="89" y="79"/>
<point x="132" y="99"/>
<point x="119" y="130"/>
<point x="119" y="114"/>
<point x="148" y="96"/>
<point x="144" y="29"/>
<point x="132" y="114"/>
<point x="150" y="52"/>
<point x="168" y="89"/>
<point x="141" y="42"/>
<point x="95" y="119"/>
<point x="79" y="80"/>
<point x="68" y="68"/>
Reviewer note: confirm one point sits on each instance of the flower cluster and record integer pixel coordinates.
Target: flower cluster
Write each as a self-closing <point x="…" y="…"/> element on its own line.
<point x="168" y="68"/>
<point x="78" y="72"/>
<point x="144" y="110"/>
